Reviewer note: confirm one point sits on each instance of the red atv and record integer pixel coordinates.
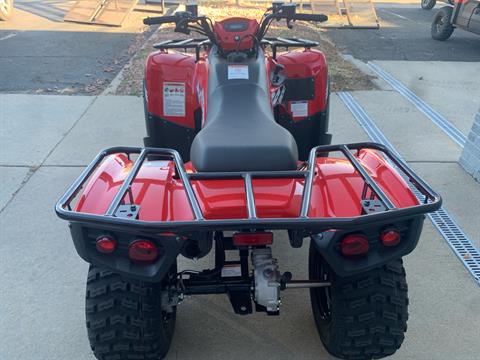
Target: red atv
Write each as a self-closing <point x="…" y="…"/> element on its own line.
<point x="254" y="123"/>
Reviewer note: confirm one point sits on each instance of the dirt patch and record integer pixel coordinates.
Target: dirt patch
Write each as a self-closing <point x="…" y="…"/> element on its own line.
<point x="344" y="75"/>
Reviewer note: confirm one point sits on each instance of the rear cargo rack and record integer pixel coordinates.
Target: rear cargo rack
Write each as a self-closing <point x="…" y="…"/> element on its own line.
<point x="302" y="223"/>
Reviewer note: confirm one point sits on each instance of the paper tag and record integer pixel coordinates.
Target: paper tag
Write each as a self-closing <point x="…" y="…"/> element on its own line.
<point x="237" y="72"/>
<point x="174" y="99"/>
<point x="299" y="108"/>
<point x="231" y="270"/>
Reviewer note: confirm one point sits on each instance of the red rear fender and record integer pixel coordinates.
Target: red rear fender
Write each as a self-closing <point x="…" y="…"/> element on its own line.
<point x="104" y="183"/>
<point x="337" y="191"/>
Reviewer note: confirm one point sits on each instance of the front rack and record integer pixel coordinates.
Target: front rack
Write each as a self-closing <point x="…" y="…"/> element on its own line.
<point x="203" y="43"/>
<point x="184" y="44"/>
<point x="286" y="43"/>
<point x="303" y="223"/>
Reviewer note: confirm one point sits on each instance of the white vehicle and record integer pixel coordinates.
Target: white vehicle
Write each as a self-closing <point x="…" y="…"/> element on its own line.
<point x="6" y="8"/>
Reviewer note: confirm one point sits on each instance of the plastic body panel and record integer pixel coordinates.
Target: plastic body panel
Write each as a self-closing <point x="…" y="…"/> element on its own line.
<point x="236" y="33"/>
<point x="327" y="244"/>
<point x="175" y="68"/>
<point x="328" y="199"/>
<point x="178" y="132"/>
<point x="309" y="63"/>
<point x="336" y="193"/>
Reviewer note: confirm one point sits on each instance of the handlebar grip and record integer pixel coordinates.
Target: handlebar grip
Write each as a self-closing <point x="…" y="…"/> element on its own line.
<point x="159" y="20"/>
<point x="311" y="17"/>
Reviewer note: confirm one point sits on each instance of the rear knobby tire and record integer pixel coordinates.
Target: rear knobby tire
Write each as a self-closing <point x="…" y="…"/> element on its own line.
<point x="442" y="28"/>
<point x="362" y="316"/>
<point x="125" y="318"/>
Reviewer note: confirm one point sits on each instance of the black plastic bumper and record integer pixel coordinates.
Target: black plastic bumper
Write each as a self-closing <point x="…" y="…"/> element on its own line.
<point x="327" y="244"/>
<point x="169" y="247"/>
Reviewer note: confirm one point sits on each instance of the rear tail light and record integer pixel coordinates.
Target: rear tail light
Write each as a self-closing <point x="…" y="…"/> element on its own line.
<point x="253" y="239"/>
<point x="354" y="245"/>
<point x="106" y="244"/>
<point x="390" y="237"/>
<point x="144" y="251"/>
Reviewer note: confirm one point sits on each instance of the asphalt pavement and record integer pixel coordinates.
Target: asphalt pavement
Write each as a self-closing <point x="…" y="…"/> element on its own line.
<point x="39" y="53"/>
<point x="404" y="34"/>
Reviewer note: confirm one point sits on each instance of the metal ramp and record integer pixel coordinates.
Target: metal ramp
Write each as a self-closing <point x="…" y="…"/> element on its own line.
<point x="347" y="13"/>
<point x="361" y="13"/>
<point x="100" y="12"/>
<point x="326" y="7"/>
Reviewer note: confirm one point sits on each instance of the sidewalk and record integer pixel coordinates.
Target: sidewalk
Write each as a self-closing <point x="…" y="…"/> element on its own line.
<point x="45" y="140"/>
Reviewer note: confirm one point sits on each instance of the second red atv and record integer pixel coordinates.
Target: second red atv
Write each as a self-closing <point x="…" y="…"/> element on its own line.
<point x="238" y="147"/>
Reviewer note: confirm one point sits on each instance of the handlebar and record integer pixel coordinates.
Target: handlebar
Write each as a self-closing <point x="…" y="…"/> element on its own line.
<point x="203" y="25"/>
<point x="157" y="20"/>
<point x="310" y="17"/>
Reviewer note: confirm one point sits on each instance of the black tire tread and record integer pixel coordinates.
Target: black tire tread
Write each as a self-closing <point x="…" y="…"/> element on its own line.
<point x="369" y="313"/>
<point x="447" y="29"/>
<point x="428" y="6"/>
<point x="124" y="317"/>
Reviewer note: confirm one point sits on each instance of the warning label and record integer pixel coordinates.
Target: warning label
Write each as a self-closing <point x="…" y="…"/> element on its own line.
<point x="237" y="72"/>
<point x="174" y="99"/>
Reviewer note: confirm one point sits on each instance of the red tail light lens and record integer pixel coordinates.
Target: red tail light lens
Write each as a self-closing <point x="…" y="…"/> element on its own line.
<point x="354" y="245"/>
<point x="143" y="251"/>
<point x="106" y="244"/>
<point x="253" y="239"/>
<point x="390" y="237"/>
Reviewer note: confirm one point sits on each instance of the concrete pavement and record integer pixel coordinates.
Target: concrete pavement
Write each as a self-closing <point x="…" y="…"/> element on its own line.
<point x="45" y="278"/>
<point x="444" y="85"/>
<point x="430" y="151"/>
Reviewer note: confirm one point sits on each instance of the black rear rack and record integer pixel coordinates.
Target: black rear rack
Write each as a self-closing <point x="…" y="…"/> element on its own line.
<point x="286" y="43"/>
<point x="303" y="223"/>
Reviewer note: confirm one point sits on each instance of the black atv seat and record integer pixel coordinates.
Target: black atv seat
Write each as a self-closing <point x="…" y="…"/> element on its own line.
<point x="240" y="132"/>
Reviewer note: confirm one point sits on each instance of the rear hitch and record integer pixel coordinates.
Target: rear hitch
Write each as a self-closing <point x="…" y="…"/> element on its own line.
<point x="262" y="284"/>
